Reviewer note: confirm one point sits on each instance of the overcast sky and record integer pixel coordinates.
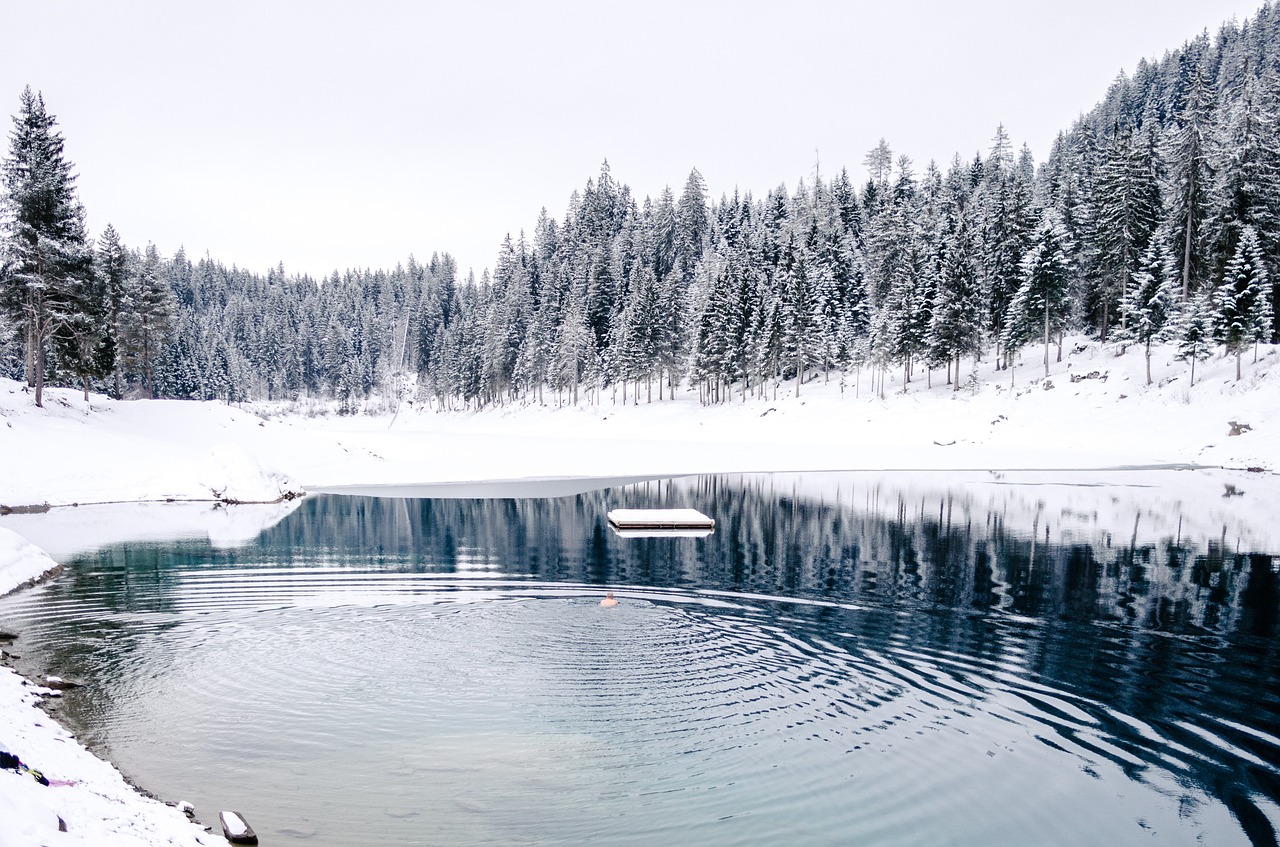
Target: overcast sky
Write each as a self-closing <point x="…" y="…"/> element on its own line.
<point x="332" y="135"/>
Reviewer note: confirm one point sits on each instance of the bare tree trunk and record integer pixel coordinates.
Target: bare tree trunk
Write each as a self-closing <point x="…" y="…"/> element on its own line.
<point x="31" y="347"/>
<point x="1186" y="267"/>
<point x="1046" y="338"/>
<point x="39" y="374"/>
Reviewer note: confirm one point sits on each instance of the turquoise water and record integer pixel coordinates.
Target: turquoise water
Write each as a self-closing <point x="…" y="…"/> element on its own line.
<point x="851" y="668"/>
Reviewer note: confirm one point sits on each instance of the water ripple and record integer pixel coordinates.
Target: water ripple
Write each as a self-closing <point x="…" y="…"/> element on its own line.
<point x="473" y="709"/>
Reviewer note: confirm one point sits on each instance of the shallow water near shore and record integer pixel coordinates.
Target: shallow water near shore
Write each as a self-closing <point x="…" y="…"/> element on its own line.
<point x="910" y="659"/>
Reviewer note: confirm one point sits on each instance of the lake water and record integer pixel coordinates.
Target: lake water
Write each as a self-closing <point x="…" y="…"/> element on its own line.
<point x="846" y="660"/>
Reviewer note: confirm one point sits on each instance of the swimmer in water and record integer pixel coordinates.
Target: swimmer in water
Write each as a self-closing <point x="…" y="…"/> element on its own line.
<point x="608" y="600"/>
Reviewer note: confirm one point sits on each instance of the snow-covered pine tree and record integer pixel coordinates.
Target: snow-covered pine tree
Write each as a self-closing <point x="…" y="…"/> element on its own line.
<point x="1042" y="296"/>
<point x="1149" y="306"/>
<point x="1242" y="302"/>
<point x="1246" y="191"/>
<point x="112" y="266"/>
<point x="955" y="329"/>
<point x="148" y="318"/>
<point x="82" y="339"/>
<point x="1190" y="178"/>
<point x="1004" y="208"/>
<point x="47" y="260"/>
<point x="1126" y="210"/>
<point x="691" y="225"/>
<point x="1194" y="330"/>
<point x="798" y="306"/>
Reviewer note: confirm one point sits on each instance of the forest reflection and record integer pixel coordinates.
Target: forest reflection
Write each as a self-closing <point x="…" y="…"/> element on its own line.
<point x="877" y="546"/>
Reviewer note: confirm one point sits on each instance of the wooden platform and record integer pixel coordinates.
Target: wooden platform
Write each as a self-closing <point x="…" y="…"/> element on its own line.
<point x="660" y="519"/>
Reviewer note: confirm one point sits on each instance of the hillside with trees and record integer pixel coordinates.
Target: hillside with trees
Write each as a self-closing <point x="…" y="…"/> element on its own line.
<point x="1154" y="219"/>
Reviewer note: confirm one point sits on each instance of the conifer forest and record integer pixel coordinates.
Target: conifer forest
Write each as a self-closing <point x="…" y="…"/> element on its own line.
<point x="1153" y="220"/>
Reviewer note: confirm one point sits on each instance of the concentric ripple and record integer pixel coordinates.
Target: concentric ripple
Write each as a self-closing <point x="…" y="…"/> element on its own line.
<point x="342" y="706"/>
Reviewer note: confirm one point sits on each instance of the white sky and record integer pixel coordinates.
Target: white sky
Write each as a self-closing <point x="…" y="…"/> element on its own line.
<point x="331" y="135"/>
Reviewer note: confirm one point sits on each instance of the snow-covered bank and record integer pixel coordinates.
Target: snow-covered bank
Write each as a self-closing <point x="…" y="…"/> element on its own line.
<point x="1094" y="411"/>
<point x="107" y="451"/>
<point x="86" y="797"/>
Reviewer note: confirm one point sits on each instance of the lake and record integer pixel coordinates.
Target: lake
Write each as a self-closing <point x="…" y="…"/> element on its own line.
<point x="892" y="659"/>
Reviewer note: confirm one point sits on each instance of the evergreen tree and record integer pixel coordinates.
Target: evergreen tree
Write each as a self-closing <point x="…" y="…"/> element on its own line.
<point x="47" y="260"/>
<point x="955" y="329"/>
<point x="1150" y="305"/>
<point x="147" y="322"/>
<point x="1126" y="212"/>
<point x="1190" y="179"/>
<point x="1004" y="216"/>
<point x="1194" y="330"/>
<point x="692" y="224"/>
<point x="1242" y="303"/>
<point x="1042" y="296"/>
<point x="113" y="271"/>
<point x="1247" y="189"/>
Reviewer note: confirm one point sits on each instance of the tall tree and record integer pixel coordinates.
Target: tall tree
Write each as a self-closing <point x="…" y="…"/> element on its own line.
<point x="148" y="318"/>
<point x="1126" y="212"/>
<point x="1194" y="330"/>
<point x="1150" y="304"/>
<point x="956" y="327"/>
<point x="1242" y="303"/>
<point x="1046" y="269"/>
<point x="1190" y="178"/>
<point x="113" y="270"/>
<point x="47" y="262"/>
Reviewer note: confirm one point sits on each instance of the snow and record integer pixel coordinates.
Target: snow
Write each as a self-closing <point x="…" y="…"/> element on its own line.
<point x="98" y="807"/>
<point x="651" y="518"/>
<point x="233" y="825"/>
<point x="21" y="561"/>
<point x="1094" y="411"/>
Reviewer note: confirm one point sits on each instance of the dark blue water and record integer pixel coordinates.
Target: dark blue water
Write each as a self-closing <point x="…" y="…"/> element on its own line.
<point x="839" y="663"/>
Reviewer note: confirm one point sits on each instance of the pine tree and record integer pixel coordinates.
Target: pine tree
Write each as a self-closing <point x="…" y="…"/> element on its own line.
<point x="113" y="270"/>
<point x="692" y="224"/>
<point x="1242" y="303"/>
<point x="1150" y="305"/>
<point x="1195" y="330"/>
<point x="1126" y="212"/>
<point x="1005" y="222"/>
<point x="147" y="322"/>
<point x="956" y="326"/>
<point x="1247" y="188"/>
<point x="1042" y="297"/>
<point x="1190" y="179"/>
<point x="47" y="263"/>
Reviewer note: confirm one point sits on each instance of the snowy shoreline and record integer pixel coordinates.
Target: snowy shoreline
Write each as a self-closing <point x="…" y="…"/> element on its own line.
<point x="183" y="460"/>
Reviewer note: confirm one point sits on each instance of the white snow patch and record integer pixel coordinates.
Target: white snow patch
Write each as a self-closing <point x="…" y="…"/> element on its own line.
<point x="20" y="561"/>
<point x="99" y="808"/>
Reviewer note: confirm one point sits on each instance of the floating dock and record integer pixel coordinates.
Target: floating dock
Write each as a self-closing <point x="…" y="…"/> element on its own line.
<point x="670" y="520"/>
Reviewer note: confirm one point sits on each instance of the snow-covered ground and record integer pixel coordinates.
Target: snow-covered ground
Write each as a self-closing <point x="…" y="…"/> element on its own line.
<point x="1094" y="412"/>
